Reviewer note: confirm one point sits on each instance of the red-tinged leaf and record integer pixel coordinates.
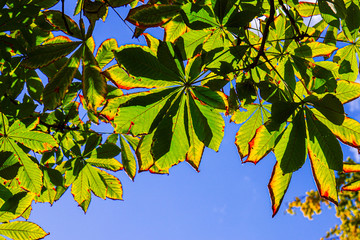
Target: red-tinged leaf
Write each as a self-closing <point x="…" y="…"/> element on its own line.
<point x="152" y="15"/>
<point x="121" y="79"/>
<point x="193" y="156"/>
<point x="57" y="39"/>
<point x="43" y="55"/>
<point x="347" y="91"/>
<point x="81" y="190"/>
<point x="246" y="133"/>
<point x="128" y="159"/>
<point x="29" y="175"/>
<point x="97" y="186"/>
<point x="323" y="143"/>
<point x="104" y="54"/>
<point x="137" y="115"/>
<point x="56" y="19"/>
<point x="22" y="230"/>
<point x="354" y="186"/>
<point x="262" y="143"/>
<point x="314" y="49"/>
<point x="174" y="29"/>
<point x="37" y="141"/>
<point x="113" y="185"/>
<point x="323" y="175"/>
<point x="58" y="85"/>
<point x="94" y="83"/>
<point x="348" y="132"/>
<point x="347" y="167"/>
<point x="145" y="159"/>
<point x="278" y="185"/>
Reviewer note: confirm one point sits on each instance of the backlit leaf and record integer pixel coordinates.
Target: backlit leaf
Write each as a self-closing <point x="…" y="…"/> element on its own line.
<point x="278" y="185"/>
<point x="19" y="230"/>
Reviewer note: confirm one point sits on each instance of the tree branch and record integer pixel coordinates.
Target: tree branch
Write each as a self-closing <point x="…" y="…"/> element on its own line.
<point x="261" y="51"/>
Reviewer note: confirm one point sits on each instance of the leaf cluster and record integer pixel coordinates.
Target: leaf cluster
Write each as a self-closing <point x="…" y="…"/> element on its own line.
<point x="265" y="64"/>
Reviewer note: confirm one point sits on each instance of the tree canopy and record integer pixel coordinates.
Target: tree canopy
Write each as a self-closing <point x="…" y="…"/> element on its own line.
<point x="281" y="69"/>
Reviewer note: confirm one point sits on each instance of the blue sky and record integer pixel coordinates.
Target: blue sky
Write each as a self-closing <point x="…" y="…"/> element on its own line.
<point x="225" y="200"/>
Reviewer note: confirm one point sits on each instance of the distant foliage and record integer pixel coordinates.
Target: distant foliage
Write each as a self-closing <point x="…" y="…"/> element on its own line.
<point x="265" y="63"/>
<point x="348" y="208"/>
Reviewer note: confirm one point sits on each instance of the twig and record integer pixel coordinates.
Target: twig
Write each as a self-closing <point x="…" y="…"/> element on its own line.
<point x="64" y="18"/>
<point x="261" y="51"/>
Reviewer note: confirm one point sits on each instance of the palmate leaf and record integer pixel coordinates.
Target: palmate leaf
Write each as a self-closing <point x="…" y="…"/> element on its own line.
<point x="278" y="185"/>
<point x="19" y="230"/>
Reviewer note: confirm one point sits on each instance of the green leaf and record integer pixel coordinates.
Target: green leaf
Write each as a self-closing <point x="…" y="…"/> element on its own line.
<point x="307" y="9"/>
<point x="43" y="55"/>
<point x="216" y="124"/>
<point x="198" y="16"/>
<point x="104" y="54"/>
<point x="331" y="107"/>
<point x="22" y="230"/>
<point x="55" y="90"/>
<point x="263" y="142"/>
<point x="278" y="185"/>
<point x="348" y="132"/>
<point x="324" y="177"/>
<point x="174" y="29"/>
<point x="246" y="133"/>
<point x="152" y="15"/>
<point x="190" y="43"/>
<point x="347" y="91"/>
<point x="323" y="144"/>
<point x="107" y="163"/>
<point x="139" y="116"/>
<point x="37" y="141"/>
<point x="81" y="190"/>
<point x="113" y="185"/>
<point x="97" y="186"/>
<point x="128" y="159"/>
<point x="314" y="49"/>
<point x="214" y="99"/>
<point x="290" y="151"/>
<point x="94" y="83"/>
<point x="55" y="18"/>
<point x="140" y="62"/>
